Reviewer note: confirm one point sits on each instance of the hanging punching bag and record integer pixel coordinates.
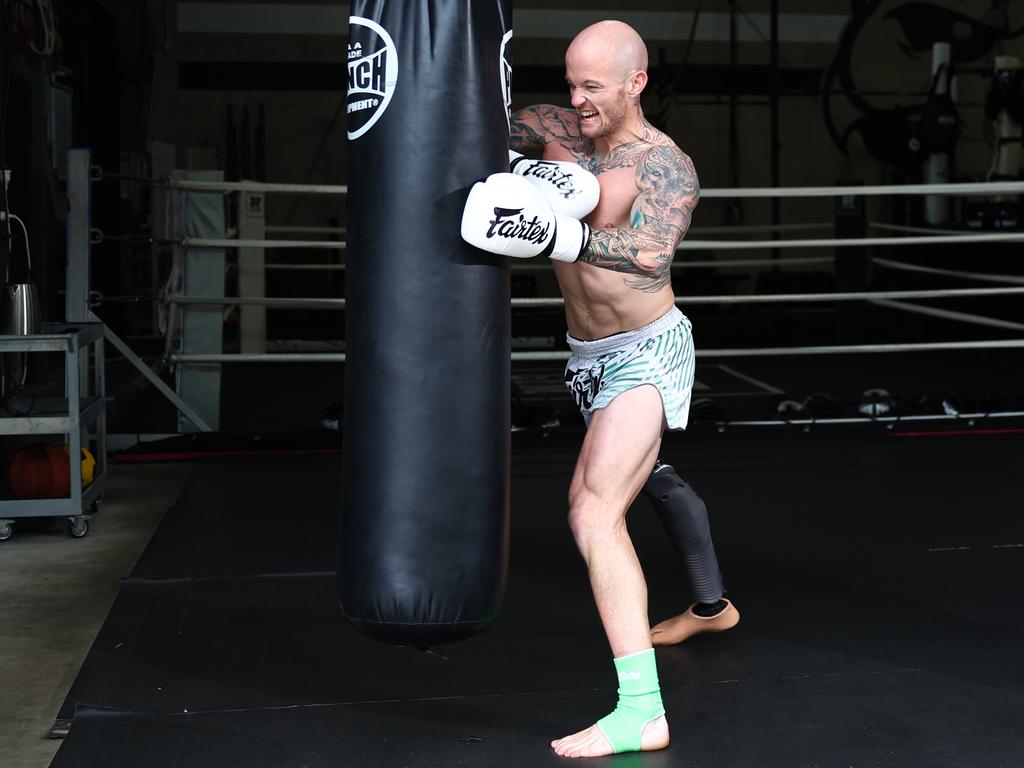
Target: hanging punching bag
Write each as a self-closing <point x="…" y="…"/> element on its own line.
<point x="424" y="525"/>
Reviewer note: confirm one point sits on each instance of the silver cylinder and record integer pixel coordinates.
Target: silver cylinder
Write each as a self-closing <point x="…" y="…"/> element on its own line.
<point x="21" y="311"/>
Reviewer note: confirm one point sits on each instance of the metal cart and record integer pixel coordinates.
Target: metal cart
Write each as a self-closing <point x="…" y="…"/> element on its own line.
<point x="83" y="406"/>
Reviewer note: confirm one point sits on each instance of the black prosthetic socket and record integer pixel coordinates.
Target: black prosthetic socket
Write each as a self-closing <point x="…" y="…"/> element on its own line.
<point x="707" y="610"/>
<point x="685" y="518"/>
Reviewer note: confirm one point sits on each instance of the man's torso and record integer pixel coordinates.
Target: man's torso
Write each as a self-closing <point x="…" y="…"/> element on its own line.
<point x="600" y="302"/>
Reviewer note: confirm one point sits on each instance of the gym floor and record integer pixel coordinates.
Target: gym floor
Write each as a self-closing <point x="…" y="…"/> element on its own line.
<point x="875" y="571"/>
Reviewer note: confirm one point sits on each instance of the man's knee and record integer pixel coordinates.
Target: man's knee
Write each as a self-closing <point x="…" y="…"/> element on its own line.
<point x="590" y="517"/>
<point x="677" y="503"/>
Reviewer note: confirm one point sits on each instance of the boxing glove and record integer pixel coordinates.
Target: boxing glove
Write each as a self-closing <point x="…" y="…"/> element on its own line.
<point x="568" y="189"/>
<point x="508" y="216"/>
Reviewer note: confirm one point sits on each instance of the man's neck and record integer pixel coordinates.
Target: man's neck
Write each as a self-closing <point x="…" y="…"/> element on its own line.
<point x="634" y="128"/>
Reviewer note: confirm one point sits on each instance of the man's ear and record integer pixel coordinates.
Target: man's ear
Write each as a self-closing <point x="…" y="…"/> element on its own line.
<point x="636" y="83"/>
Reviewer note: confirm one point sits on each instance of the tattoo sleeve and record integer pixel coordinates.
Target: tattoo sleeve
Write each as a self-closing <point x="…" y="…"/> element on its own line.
<point x="533" y="127"/>
<point x="527" y="129"/>
<point x="661" y="214"/>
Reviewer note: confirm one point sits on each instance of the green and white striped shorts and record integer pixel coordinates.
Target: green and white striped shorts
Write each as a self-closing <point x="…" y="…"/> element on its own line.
<point x="660" y="353"/>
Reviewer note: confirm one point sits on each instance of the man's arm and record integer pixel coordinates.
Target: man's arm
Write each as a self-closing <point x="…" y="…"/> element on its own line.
<point x="533" y="127"/>
<point x="661" y="213"/>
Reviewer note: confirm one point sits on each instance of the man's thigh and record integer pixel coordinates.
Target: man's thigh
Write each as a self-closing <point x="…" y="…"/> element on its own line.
<point x="621" y="445"/>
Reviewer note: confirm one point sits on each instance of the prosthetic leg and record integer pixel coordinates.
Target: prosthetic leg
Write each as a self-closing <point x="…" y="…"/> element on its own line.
<point x="685" y="517"/>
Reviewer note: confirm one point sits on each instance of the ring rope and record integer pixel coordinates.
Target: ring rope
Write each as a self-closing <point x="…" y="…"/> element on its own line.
<point x="256" y="301"/>
<point x="254" y="186"/>
<point x="889" y="421"/>
<point x="943" y="293"/>
<point x="538" y="266"/>
<point x="305" y="230"/>
<point x="847" y="242"/>
<point x="920" y="230"/>
<point x="969" y="188"/>
<point x="741" y="228"/>
<point x="819" y="350"/>
<point x="684" y="245"/>
<point x="328" y="303"/>
<point x="339" y="357"/>
<point x="980" y="276"/>
<point x="215" y="242"/>
<point x="948" y="314"/>
<point x="305" y="267"/>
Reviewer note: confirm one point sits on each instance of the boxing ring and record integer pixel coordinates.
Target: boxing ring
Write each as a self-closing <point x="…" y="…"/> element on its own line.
<point x="874" y="252"/>
<point x="874" y="557"/>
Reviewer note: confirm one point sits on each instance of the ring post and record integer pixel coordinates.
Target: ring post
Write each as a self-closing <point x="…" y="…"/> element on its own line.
<point x="851" y="268"/>
<point x="424" y="525"/>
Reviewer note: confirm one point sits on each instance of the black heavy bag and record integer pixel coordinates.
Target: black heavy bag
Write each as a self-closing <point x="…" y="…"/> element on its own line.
<point x="424" y="523"/>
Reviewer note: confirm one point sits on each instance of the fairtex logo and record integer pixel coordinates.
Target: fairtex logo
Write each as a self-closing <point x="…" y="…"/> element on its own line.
<point x="553" y="175"/>
<point x="626" y="676"/>
<point x="372" y="74"/>
<point x="510" y="223"/>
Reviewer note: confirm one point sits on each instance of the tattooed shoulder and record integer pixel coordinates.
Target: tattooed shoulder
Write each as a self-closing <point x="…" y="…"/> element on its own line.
<point x="667" y="174"/>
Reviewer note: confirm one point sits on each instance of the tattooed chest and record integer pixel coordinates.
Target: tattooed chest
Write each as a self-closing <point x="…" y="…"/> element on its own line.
<point x="625" y="156"/>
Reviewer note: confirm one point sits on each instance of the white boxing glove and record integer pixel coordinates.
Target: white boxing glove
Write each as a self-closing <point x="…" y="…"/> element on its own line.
<point x="569" y="189"/>
<point x="506" y="215"/>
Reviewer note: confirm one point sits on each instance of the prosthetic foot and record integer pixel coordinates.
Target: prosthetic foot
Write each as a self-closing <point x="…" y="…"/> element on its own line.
<point x="680" y="628"/>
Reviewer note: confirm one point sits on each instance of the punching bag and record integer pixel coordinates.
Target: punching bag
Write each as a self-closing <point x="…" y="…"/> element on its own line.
<point x="424" y="524"/>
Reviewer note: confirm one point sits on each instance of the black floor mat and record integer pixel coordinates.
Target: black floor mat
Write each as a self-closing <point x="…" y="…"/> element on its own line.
<point x="876" y="577"/>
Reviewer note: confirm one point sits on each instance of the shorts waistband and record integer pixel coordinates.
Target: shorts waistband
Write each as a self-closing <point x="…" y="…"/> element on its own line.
<point x="616" y="341"/>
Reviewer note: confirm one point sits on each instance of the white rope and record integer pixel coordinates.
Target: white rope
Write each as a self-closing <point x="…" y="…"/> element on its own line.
<point x="684" y="245"/>
<point x="948" y="314"/>
<point x="970" y="418"/>
<point x="847" y="242"/>
<point x="213" y="242"/>
<point x="306" y="267"/>
<point x="305" y="230"/>
<point x="257" y="301"/>
<point x="919" y="230"/>
<point x="741" y="228"/>
<point x="256" y="186"/>
<point x="986" y="188"/>
<point x="822" y="350"/>
<point x="339" y="357"/>
<point x="985" y="277"/>
<point x="542" y="266"/>
<point x="773" y="298"/>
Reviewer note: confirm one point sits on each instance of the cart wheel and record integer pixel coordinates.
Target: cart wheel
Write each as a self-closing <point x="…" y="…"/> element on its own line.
<point x="78" y="527"/>
<point x="6" y="531"/>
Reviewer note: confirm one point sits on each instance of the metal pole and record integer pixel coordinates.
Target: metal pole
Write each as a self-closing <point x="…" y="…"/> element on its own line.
<point x="78" y="222"/>
<point x="776" y="144"/>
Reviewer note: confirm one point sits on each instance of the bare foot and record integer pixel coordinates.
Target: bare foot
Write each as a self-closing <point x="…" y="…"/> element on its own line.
<point x="686" y="625"/>
<point x="592" y="743"/>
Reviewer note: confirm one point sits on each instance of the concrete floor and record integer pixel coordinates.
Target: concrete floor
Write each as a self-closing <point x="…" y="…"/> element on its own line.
<point x="55" y="592"/>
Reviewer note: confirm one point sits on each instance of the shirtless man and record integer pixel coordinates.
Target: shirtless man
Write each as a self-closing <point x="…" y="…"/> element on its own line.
<point x="632" y="361"/>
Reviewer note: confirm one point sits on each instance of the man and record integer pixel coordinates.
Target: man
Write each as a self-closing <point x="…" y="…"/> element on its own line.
<point x="631" y="369"/>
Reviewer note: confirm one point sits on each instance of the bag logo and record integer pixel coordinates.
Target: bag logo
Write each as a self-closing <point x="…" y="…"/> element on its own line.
<point x="505" y="65"/>
<point x="372" y="74"/>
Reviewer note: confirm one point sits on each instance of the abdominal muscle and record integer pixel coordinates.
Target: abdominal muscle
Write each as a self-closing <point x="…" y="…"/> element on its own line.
<point x="600" y="302"/>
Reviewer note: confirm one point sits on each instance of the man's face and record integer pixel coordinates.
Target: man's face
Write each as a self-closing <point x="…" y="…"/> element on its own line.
<point x="597" y="91"/>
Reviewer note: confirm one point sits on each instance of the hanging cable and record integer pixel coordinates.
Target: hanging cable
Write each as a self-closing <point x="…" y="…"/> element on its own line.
<point x="28" y="250"/>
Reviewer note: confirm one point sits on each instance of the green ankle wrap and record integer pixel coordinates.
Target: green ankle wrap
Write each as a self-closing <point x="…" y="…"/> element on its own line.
<point x="639" y="701"/>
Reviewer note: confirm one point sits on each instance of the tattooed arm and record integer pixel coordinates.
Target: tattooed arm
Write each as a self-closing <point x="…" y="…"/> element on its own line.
<point x="660" y="217"/>
<point x="533" y="127"/>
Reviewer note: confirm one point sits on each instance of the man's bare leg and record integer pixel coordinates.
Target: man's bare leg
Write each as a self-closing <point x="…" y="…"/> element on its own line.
<point x="617" y="456"/>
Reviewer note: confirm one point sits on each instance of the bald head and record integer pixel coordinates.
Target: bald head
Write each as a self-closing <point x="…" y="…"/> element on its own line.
<point x="613" y="42"/>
